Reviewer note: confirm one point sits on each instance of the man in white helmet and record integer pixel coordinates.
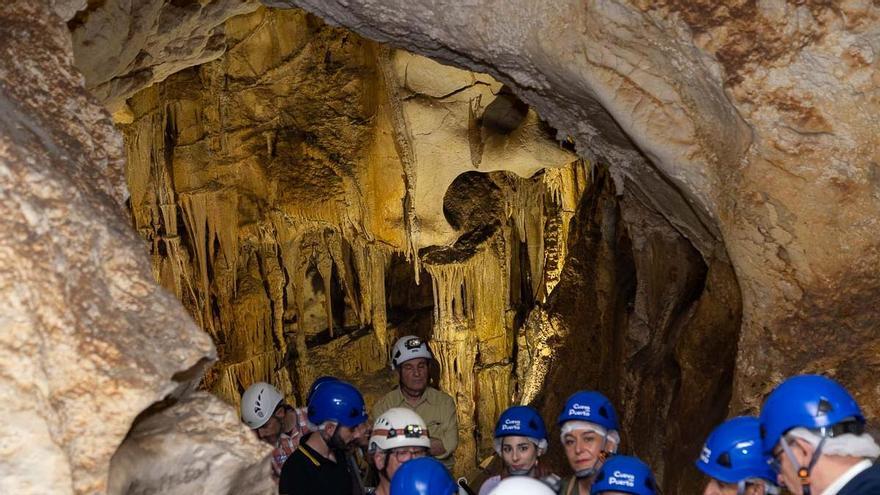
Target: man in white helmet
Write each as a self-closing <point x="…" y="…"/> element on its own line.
<point x="263" y="409"/>
<point x="411" y="358"/>
<point x="399" y="435"/>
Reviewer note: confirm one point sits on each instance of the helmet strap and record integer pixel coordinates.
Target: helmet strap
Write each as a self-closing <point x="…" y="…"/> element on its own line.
<point x="384" y="471"/>
<point x="523" y="472"/>
<point x="803" y="473"/>
<point x="601" y="458"/>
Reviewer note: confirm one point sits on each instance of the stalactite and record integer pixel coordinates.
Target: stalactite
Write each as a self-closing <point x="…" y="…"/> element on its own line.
<point x="565" y="186"/>
<point x="244" y="202"/>
<point x="525" y="206"/>
<point x="403" y="143"/>
<point x="378" y="262"/>
<point x="473" y="342"/>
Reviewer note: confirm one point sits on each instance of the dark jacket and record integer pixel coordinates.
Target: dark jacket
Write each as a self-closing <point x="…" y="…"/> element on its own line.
<point x="865" y="483"/>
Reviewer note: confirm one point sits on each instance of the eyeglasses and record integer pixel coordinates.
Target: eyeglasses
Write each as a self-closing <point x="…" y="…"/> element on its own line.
<point x="404" y="454"/>
<point x="775" y="460"/>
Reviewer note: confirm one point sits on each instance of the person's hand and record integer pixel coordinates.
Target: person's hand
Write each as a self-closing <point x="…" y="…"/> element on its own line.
<point x="437" y="448"/>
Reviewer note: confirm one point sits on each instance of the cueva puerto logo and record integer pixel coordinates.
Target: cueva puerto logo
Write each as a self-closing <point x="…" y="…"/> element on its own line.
<point x="511" y="425"/>
<point x="705" y="455"/>
<point x="620" y="478"/>
<point x="579" y="410"/>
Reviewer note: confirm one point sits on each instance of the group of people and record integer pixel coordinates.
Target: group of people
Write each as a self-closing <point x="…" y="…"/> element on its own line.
<point x="810" y="438"/>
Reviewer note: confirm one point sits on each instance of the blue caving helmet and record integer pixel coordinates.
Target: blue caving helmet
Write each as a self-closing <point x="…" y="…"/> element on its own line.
<point x="522" y="421"/>
<point x="317" y="383"/>
<point x="625" y="474"/>
<point x="337" y="401"/>
<point x="591" y="406"/>
<point x="423" y="476"/>
<point x="733" y="453"/>
<point x="808" y="401"/>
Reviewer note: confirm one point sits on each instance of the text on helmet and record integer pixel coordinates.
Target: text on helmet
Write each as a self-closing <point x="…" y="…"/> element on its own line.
<point x="705" y="455"/>
<point x="511" y="425"/>
<point x="579" y="410"/>
<point x="620" y="478"/>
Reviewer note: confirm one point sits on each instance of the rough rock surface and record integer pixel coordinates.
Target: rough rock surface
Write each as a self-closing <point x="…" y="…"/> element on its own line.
<point x="759" y="114"/>
<point x="122" y="46"/>
<point x="639" y="315"/>
<point x="87" y="338"/>
<point x="276" y="184"/>
<point x="198" y="446"/>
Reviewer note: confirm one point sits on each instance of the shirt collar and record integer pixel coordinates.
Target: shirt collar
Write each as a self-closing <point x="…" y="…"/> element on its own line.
<point x="846" y="477"/>
<point x="426" y="397"/>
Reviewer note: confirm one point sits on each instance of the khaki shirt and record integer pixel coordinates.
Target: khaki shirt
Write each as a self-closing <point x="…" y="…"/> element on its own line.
<point x="436" y="408"/>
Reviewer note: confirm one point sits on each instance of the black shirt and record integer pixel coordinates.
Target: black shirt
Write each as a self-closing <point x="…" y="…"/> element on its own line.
<point x="307" y="472"/>
<point x="865" y="483"/>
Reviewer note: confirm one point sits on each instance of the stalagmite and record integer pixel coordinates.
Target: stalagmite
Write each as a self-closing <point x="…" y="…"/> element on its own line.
<point x="275" y="184"/>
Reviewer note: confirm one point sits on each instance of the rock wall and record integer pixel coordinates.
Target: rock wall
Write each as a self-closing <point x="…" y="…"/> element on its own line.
<point x="641" y="316"/>
<point x="87" y="339"/>
<point x="122" y="47"/>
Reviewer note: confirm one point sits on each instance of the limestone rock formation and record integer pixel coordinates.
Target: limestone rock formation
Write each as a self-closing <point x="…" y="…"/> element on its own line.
<point x="88" y="340"/>
<point x="277" y="184"/>
<point x="757" y="113"/>
<point x="310" y="194"/>
<point x="190" y="449"/>
<point x="122" y="47"/>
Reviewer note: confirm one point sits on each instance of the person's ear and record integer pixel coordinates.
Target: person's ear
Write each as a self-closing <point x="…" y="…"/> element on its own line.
<point x="330" y="428"/>
<point x="803" y="450"/>
<point x="379" y="460"/>
<point x="611" y="446"/>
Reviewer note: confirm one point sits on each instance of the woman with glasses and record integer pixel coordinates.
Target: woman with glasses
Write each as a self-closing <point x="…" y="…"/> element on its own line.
<point x="520" y="440"/>
<point x="398" y="436"/>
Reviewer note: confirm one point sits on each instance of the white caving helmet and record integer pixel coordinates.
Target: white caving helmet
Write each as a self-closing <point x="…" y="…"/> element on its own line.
<point x="399" y="427"/>
<point x="258" y="403"/>
<point x="407" y="348"/>
<point x="522" y="485"/>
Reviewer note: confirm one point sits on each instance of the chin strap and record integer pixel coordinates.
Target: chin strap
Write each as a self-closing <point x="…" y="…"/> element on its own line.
<point x="803" y="473"/>
<point x="602" y="457"/>
<point x="523" y="472"/>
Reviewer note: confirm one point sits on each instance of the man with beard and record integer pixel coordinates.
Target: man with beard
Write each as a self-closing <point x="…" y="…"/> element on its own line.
<point x="412" y="358"/>
<point x="319" y="464"/>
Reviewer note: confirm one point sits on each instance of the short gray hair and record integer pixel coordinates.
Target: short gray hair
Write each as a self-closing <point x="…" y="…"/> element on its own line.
<point x="848" y="445"/>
